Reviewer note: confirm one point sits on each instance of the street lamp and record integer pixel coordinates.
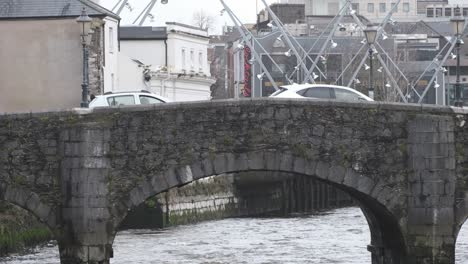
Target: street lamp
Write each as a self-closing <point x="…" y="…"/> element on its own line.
<point x="371" y="34"/>
<point x="458" y="25"/>
<point x="85" y="25"/>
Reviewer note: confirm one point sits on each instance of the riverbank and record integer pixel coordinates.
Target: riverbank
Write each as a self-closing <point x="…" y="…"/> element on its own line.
<point x="19" y="231"/>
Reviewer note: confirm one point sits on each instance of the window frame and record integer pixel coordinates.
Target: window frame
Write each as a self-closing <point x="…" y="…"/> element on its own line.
<point x="383" y="7"/>
<point x="406" y="7"/>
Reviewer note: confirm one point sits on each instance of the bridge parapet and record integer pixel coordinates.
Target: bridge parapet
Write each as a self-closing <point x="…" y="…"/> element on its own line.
<point x="405" y="164"/>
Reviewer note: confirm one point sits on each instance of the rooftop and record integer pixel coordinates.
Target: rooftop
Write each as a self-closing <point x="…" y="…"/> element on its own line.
<point x="19" y="9"/>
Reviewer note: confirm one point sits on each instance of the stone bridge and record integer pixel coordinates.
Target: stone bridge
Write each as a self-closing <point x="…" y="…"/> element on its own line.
<point x="80" y="173"/>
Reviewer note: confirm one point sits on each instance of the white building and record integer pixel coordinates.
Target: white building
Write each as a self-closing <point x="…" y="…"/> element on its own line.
<point x="373" y="10"/>
<point x="170" y="61"/>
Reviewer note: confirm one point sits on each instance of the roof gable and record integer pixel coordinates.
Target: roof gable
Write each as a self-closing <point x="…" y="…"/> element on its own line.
<point x="16" y="9"/>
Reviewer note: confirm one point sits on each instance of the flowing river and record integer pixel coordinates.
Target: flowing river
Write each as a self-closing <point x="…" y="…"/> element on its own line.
<point x="338" y="236"/>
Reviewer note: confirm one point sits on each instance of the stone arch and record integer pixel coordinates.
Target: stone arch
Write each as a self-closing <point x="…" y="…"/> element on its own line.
<point x="462" y="224"/>
<point x="30" y="202"/>
<point x="374" y="197"/>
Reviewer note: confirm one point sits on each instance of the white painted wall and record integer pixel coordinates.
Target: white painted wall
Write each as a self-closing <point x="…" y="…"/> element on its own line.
<point x="377" y="16"/>
<point x="149" y="52"/>
<point x="197" y="46"/>
<point x="130" y="75"/>
<point x="111" y="44"/>
<point x="191" y="41"/>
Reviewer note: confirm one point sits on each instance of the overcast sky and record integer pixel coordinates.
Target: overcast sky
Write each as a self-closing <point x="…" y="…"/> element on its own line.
<point x="182" y="11"/>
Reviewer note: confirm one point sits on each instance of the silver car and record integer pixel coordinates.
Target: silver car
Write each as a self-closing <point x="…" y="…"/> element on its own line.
<point x="127" y="98"/>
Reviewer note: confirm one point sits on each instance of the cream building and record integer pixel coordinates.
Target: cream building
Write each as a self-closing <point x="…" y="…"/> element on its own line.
<point x="41" y="54"/>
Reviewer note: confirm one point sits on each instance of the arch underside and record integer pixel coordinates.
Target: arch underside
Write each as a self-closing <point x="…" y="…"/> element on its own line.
<point x="386" y="233"/>
<point x="30" y="202"/>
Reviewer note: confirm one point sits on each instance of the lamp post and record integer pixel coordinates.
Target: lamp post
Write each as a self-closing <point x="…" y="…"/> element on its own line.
<point x="85" y="25"/>
<point x="458" y="25"/>
<point x="371" y="34"/>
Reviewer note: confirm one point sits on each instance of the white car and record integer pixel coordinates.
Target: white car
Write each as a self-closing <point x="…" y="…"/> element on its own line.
<point x="320" y="91"/>
<point x="127" y="98"/>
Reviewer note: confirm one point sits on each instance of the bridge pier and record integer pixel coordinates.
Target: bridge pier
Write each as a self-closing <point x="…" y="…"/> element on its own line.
<point x="83" y="254"/>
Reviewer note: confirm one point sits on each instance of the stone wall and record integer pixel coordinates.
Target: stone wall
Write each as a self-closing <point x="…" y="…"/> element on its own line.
<point x="240" y="195"/>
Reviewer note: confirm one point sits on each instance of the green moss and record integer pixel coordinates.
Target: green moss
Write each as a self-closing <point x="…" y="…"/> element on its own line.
<point x="14" y="240"/>
<point x="193" y="216"/>
<point x="212" y="152"/>
<point x="228" y="141"/>
<point x="403" y="147"/>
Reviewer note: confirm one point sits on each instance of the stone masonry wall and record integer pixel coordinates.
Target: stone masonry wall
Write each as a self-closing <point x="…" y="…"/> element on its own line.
<point x="82" y="172"/>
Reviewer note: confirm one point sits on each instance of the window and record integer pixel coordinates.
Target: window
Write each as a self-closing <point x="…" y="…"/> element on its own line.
<point x="355" y="7"/>
<point x="383" y="8"/>
<point x="406" y="7"/>
<point x="448" y="12"/>
<point x="145" y="100"/>
<point x="112" y="82"/>
<point x="192" y="60"/>
<point x="430" y="12"/>
<point x="111" y="40"/>
<point x="121" y="100"/>
<point x="396" y="8"/>
<point x="438" y="12"/>
<point x="200" y="61"/>
<point x="317" y="92"/>
<point x="370" y="8"/>
<point x="183" y="59"/>
<point x="465" y="12"/>
<point x="345" y="95"/>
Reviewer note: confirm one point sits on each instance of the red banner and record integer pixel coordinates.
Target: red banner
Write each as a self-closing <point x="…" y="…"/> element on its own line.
<point x="247" y="92"/>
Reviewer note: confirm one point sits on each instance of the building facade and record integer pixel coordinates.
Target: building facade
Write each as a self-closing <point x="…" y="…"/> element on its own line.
<point x="171" y="61"/>
<point x="42" y="58"/>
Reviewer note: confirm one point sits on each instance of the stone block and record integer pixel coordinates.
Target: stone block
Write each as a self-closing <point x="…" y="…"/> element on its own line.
<point x="299" y="165"/>
<point x="171" y="178"/>
<point x="322" y="170"/>
<point x="185" y="175"/>
<point x="272" y="160"/>
<point x="310" y="167"/>
<point x="237" y="162"/>
<point x="95" y="163"/>
<point x="197" y="170"/>
<point x="286" y="162"/>
<point x="17" y="196"/>
<point x="256" y="161"/>
<point x="365" y="185"/>
<point x="351" y="178"/>
<point x="337" y="174"/>
<point x="159" y="183"/>
<point x="433" y="188"/>
<point x="98" y="254"/>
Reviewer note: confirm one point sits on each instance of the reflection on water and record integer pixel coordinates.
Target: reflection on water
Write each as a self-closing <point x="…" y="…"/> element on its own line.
<point x="340" y="236"/>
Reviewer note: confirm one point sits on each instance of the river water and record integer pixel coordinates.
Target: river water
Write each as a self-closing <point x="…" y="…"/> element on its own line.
<point x="339" y="236"/>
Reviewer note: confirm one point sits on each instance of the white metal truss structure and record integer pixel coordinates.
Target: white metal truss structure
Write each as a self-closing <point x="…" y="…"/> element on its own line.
<point x="309" y="74"/>
<point x="452" y="43"/>
<point x="289" y="38"/>
<point x="121" y="4"/>
<point x="245" y="38"/>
